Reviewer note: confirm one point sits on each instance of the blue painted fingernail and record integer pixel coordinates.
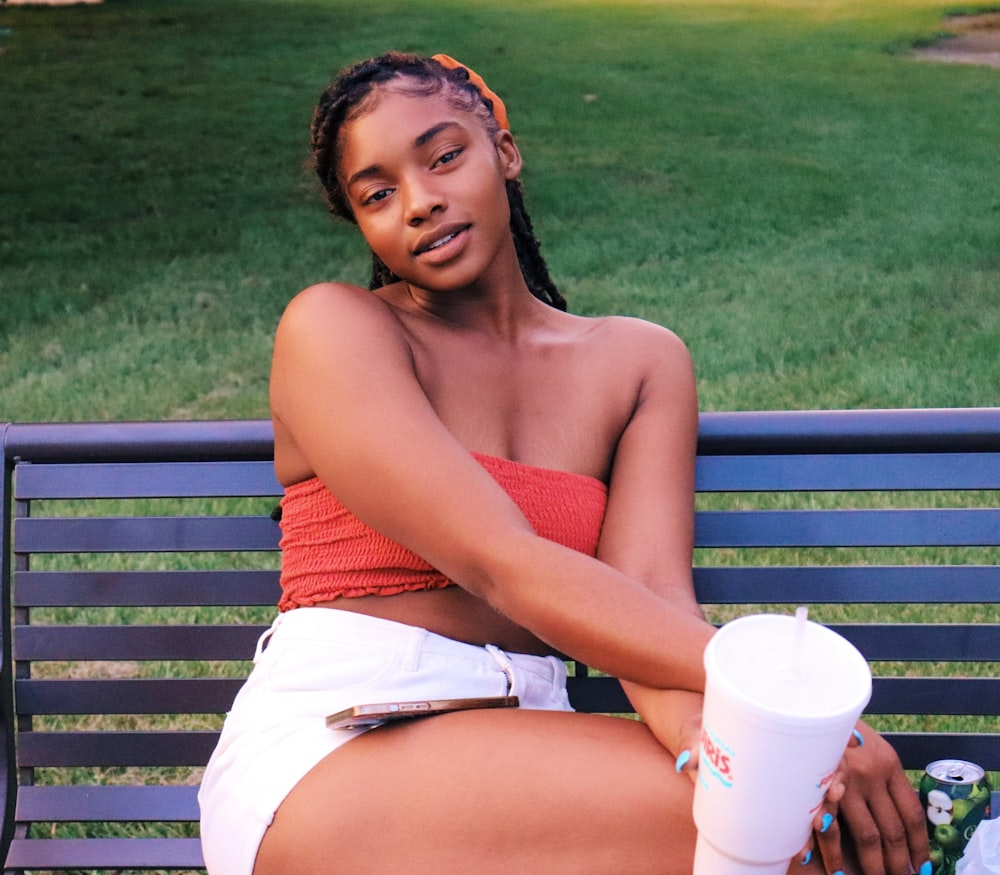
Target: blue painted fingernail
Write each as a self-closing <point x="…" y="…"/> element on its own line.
<point x="861" y="742"/>
<point x="683" y="759"/>
<point x="839" y="872"/>
<point x="927" y="868"/>
<point x="827" y="820"/>
<point x="809" y="856"/>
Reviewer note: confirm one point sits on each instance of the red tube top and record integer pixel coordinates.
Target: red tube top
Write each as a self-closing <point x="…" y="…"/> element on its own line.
<point x="328" y="553"/>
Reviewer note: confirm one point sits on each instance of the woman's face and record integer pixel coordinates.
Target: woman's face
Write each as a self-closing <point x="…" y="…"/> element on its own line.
<point x="427" y="185"/>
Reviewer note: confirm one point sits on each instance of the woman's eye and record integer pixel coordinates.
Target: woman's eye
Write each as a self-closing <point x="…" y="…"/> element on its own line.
<point x="449" y="156"/>
<point x="376" y="196"/>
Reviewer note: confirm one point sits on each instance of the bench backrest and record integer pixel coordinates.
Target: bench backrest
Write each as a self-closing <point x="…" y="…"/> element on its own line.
<point x="139" y="554"/>
<point x="140" y="565"/>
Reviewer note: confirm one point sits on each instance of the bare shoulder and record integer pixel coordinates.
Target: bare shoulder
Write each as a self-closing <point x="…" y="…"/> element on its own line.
<point x="339" y="350"/>
<point x="325" y="292"/>
<point x="641" y="343"/>
<point x="329" y="330"/>
<point x="328" y="324"/>
<point x="634" y="328"/>
<point x="330" y="304"/>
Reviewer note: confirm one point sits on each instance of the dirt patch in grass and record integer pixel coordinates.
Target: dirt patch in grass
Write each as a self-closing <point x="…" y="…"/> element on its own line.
<point x="972" y="39"/>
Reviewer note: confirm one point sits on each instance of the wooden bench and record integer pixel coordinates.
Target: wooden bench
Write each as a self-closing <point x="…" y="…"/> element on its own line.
<point x="139" y="567"/>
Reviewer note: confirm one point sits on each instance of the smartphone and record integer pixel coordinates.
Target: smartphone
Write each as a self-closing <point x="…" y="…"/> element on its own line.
<point x="368" y="716"/>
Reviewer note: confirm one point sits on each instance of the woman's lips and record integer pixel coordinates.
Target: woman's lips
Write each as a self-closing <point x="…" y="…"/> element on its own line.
<point x="442" y="245"/>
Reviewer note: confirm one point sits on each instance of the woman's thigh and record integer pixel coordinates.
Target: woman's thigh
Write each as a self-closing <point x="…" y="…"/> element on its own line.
<point x="499" y="792"/>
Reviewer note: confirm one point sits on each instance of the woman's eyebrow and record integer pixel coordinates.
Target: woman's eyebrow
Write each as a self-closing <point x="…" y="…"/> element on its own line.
<point x="432" y="132"/>
<point x="367" y="173"/>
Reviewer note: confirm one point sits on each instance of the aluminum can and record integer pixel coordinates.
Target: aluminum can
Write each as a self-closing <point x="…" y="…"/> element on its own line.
<point x="956" y="798"/>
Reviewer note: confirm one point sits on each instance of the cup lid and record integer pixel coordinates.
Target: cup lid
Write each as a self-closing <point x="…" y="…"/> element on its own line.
<point x="776" y="666"/>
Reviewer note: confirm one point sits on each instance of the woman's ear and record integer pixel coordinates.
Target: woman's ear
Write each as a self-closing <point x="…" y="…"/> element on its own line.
<point x="509" y="154"/>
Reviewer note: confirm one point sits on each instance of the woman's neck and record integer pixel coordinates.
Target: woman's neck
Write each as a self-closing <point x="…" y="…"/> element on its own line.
<point x="503" y="308"/>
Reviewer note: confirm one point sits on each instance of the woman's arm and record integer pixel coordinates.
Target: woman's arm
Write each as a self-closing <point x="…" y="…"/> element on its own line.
<point x="345" y="394"/>
<point x="649" y="528"/>
<point x="649" y="535"/>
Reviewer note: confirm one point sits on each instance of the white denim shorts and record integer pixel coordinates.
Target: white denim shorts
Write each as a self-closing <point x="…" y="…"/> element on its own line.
<point x="313" y="662"/>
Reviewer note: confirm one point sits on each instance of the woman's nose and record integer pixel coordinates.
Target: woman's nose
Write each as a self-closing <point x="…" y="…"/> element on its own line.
<point x="421" y="200"/>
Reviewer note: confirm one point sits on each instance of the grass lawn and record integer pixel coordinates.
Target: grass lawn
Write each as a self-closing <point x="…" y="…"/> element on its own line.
<point x="812" y="210"/>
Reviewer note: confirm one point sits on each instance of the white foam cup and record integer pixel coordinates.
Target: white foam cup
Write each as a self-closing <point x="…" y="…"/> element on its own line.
<point x="782" y="696"/>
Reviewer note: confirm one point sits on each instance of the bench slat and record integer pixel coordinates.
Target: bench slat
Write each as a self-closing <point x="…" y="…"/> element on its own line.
<point x="145" y="534"/>
<point x="147" y="480"/>
<point x="924" y="642"/>
<point x="950" y="429"/>
<point x="49" y="749"/>
<point x="949" y="527"/>
<point x="805" y="585"/>
<point x="126" y="853"/>
<point x="79" y="748"/>
<point x="916" y="750"/>
<point x="66" y="643"/>
<point x="849" y="472"/>
<point x="926" y="430"/>
<point x="104" y="802"/>
<point x="947" y="695"/>
<point x="603" y="695"/>
<point x="212" y="695"/>
<point x="145" y="588"/>
<point x="169" y="441"/>
<point x="828" y="473"/>
<point x="890" y="695"/>
<point x="904" y="584"/>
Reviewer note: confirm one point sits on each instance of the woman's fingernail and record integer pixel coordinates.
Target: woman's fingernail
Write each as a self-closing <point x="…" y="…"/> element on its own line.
<point x="809" y="856"/>
<point x="827" y="820"/>
<point x="927" y="868"/>
<point x="839" y="872"/>
<point x="683" y="759"/>
<point x="859" y="737"/>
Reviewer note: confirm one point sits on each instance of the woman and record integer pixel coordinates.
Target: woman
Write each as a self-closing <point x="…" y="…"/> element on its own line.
<point x="476" y="482"/>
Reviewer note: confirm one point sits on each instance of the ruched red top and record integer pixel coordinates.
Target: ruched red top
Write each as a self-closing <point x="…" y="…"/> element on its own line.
<point x="328" y="553"/>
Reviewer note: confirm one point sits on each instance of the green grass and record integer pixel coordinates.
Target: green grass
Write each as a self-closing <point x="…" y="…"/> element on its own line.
<point x="811" y="209"/>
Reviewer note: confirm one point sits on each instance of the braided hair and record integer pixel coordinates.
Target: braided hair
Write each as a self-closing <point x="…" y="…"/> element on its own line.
<point x="347" y="98"/>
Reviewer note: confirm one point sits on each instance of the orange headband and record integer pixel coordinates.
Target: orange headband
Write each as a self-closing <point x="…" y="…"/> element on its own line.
<point x="499" y="110"/>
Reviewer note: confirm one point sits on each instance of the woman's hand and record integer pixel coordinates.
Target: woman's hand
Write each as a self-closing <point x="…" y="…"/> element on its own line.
<point x="880" y="811"/>
<point x="674" y="718"/>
